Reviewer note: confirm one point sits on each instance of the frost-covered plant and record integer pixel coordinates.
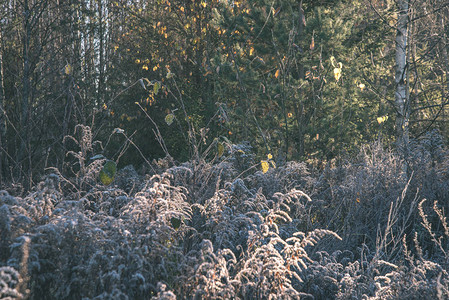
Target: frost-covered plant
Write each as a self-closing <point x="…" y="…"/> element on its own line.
<point x="211" y="229"/>
<point x="84" y="171"/>
<point x="9" y="280"/>
<point x="439" y="239"/>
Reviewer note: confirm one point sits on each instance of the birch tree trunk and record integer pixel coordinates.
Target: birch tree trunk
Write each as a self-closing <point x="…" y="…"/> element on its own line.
<point x="2" y="110"/>
<point x="402" y="103"/>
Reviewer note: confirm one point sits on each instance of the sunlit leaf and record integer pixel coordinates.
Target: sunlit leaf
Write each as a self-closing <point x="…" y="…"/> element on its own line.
<point x="277" y="73"/>
<point x="277" y="11"/>
<point x="380" y="120"/>
<point x="68" y="69"/>
<point x="107" y="174"/>
<point x="156" y="87"/>
<point x="118" y="130"/>
<point x="142" y="84"/>
<point x="361" y="86"/>
<point x="337" y="71"/>
<point x="312" y="44"/>
<point x="337" y="74"/>
<point x="169" y="119"/>
<point x="265" y="166"/>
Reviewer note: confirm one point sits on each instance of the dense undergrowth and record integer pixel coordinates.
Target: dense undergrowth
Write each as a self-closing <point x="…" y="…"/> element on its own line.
<point x="358" y="229"/>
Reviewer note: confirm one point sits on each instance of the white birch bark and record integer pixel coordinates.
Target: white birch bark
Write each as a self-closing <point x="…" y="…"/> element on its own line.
<point x="402" y="104"/>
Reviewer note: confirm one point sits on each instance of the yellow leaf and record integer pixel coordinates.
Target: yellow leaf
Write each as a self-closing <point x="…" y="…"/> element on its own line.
<point x="251" y="51"/>
<point x="337" y="73"/>
<point x="380" y="120"/>
<point x="312" y="44"/>
<point x="68" y="69"/>
<point x="277" y="11"/>
<point x="265" y="166"/>
<point x="220" y="149"/>
<point x="273" y="163"/>
<point x="169" y="119"/>
<point x="277" y="73"/>
<point x="269" y="156"/>
<point x="156" y="87"/>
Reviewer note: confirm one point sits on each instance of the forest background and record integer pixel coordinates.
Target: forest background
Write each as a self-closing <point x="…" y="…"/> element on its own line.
<point x="297" y="80"/>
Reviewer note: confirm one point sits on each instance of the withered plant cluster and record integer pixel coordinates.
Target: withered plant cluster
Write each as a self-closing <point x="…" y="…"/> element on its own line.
<point x="357" y="229"/>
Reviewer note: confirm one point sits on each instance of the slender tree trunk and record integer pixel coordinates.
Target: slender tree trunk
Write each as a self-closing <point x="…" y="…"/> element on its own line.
<point x="26" y="87"/>
<point x="299" y="107"/>
<point x="444" y="49"/>
<point x="446" y="62"/>
<point x="2" y="111"/>
<point x="402" y="103"/>
<point x="101" y="38"/>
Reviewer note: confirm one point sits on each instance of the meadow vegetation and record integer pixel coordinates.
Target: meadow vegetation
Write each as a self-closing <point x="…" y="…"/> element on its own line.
<point x="354" y="229"/>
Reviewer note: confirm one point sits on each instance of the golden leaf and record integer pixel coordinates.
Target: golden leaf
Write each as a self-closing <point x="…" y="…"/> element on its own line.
<point x="169" y="119"/>
<point x="312" y="44"/>
<point x="337" y="73"/>
<point x="380" y="120"/>
<point x="277" y="73"/>
<point x="68" y="69"/>
<point x="361" y="86"/>
<point x="265" y="166"/>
